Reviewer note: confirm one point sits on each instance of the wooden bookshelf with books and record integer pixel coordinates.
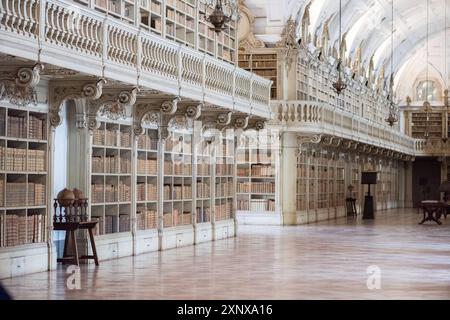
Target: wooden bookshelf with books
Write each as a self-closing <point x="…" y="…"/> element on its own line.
<point x="111" y="176"/>
<point x="203" y="180"/>
<point x="423" y="124"/>
<point x="23" y="177"/>
<point x="147" y="180"/>
<point x="182" y="21"/>
<point x="177" y="181"/>
<point x="320" y="185"/>
<point x="263" y="62"/>
<point x="256" y="178"/>
<point x="224" y="176"/>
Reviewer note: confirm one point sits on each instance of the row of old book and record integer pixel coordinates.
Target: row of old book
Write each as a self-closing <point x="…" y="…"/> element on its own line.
<point x="38" y="128"/>
<point x="21" y="194"/>
<point x="177" y="146"/>
<point x="108" y="224"/>
<point x="256" y="187"/>
<point x="262" y="157"/>
<point x="177" y="192"/>
<point x="147" y="166"/>
<point x="146" y="219"/>
<point x="203" y="214"/>
<point x="111" y="164"/>
<point x="224" y="169"/>
<point x="224" y="211"/>
<point x="110" y="193"/>
<point x="203" y="190"/>
<point x="21" y="229"/>
<point x="224" y="189"/>
<point x="256" y="205"/>
<point x="17" y="126"/>
<point x="145" y="142"/>
<point x="176" y="218"/>
<point x="203" y="169"/>
<point x="146" y="192"/>
<point x="182" y="169"/>
<point x="111" y="138"/>
<point x="16" y="159"/>
<point x="260" y="170"/>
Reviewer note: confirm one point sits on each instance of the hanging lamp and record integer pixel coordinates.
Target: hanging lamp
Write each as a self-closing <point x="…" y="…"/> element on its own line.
<point x="223" y="12"/>
<point x="340" y="85"/>
<point x="393" y="112"/>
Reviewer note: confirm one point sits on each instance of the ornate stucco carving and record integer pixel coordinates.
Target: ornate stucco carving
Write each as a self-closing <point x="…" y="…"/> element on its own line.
<point x="19" y="87"/>
<point x="315" y="139"/>
<point x="60" y="92"/>
<point x="288" y="43"/>
<point x="111" y="105"/>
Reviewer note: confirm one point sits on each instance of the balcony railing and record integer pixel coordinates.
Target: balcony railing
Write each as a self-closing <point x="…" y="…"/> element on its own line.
<point x="75" y="37"/>
<point x="321" y="118"/>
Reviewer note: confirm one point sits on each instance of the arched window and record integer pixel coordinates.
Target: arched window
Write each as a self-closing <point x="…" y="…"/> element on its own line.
<point x="427" y="87"/>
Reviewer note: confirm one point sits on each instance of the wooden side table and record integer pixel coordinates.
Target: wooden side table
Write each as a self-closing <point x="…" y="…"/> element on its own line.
<point x="432" y="211"/>
<point x="71" y="216"/>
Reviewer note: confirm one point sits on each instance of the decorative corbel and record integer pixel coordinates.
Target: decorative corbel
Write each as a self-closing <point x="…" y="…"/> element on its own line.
<point x="193" y="112"/>
<point x="224" y="119"/>
<point x="337" y="142"/>
<point x="314" y="139"/>
<point x="168" y="110"/>
<point x="288" y="43"/>
<point x="111" y="105"/>
<point x="59" y="93"/>
<point x="241" y="122"/>
<point x="20" y="87"/>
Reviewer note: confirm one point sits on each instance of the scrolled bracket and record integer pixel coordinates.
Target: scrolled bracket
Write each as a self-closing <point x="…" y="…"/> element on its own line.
<point x="20" y="89"/>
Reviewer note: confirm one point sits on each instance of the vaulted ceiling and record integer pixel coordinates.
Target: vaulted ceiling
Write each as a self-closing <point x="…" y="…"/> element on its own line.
<point x="367" y="24"/>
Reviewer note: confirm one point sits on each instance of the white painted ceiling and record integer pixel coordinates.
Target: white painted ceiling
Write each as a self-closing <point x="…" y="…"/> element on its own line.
<point x="368" y="23"/>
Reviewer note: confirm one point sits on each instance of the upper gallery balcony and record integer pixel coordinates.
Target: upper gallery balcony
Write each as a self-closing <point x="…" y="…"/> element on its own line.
<point x="97" y="39"/>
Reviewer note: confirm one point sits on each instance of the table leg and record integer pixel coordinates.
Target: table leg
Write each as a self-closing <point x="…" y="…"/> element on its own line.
<point x="75" y="248"/>
<point x="66" y="243"/>
<point x="424" y="217"/>
<point x="94" y="249"/>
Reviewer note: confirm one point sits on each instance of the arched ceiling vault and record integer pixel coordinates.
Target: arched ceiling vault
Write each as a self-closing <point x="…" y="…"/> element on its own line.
<point x="367" y="24"/>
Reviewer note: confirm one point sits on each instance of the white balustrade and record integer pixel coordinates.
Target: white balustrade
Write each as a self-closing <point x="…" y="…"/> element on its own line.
<point x="65" y="28"/>
<point x="307" y="116"/>
<point x="20" y="16"/>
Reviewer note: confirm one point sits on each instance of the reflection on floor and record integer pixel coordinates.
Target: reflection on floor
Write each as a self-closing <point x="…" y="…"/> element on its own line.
<point x="322" y="261"/>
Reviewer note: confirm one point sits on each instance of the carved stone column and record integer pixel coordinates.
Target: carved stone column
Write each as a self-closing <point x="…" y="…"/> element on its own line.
<point x="289" y="151"/>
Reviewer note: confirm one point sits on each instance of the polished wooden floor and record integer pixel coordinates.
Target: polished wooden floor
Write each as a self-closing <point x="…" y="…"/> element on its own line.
<point x="321" y="261"/>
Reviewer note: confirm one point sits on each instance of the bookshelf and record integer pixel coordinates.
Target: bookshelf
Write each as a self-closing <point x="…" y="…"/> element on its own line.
<point x="121" y="9"/>
<point x="256" y="179"/>
<point x="177" y="181"/>
<point x="203" y="181"/>
<point x="151" y="15"/>
<point x="224" y="179"/>
<point x="23" y="177"/>
<point x="320" y="185"/>
<point x="183" y="21"/>
<point x="423" y="120"/>
<point x="147" y="180"/>
<point x="111" y="177"/>
<point x="263" y="63"/>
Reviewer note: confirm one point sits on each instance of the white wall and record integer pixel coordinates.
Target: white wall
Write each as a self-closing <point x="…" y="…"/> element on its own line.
<point x="60" y="162"/>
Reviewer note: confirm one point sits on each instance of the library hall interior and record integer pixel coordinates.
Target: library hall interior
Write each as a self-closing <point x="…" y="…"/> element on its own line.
<point x="224" y="149"/>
